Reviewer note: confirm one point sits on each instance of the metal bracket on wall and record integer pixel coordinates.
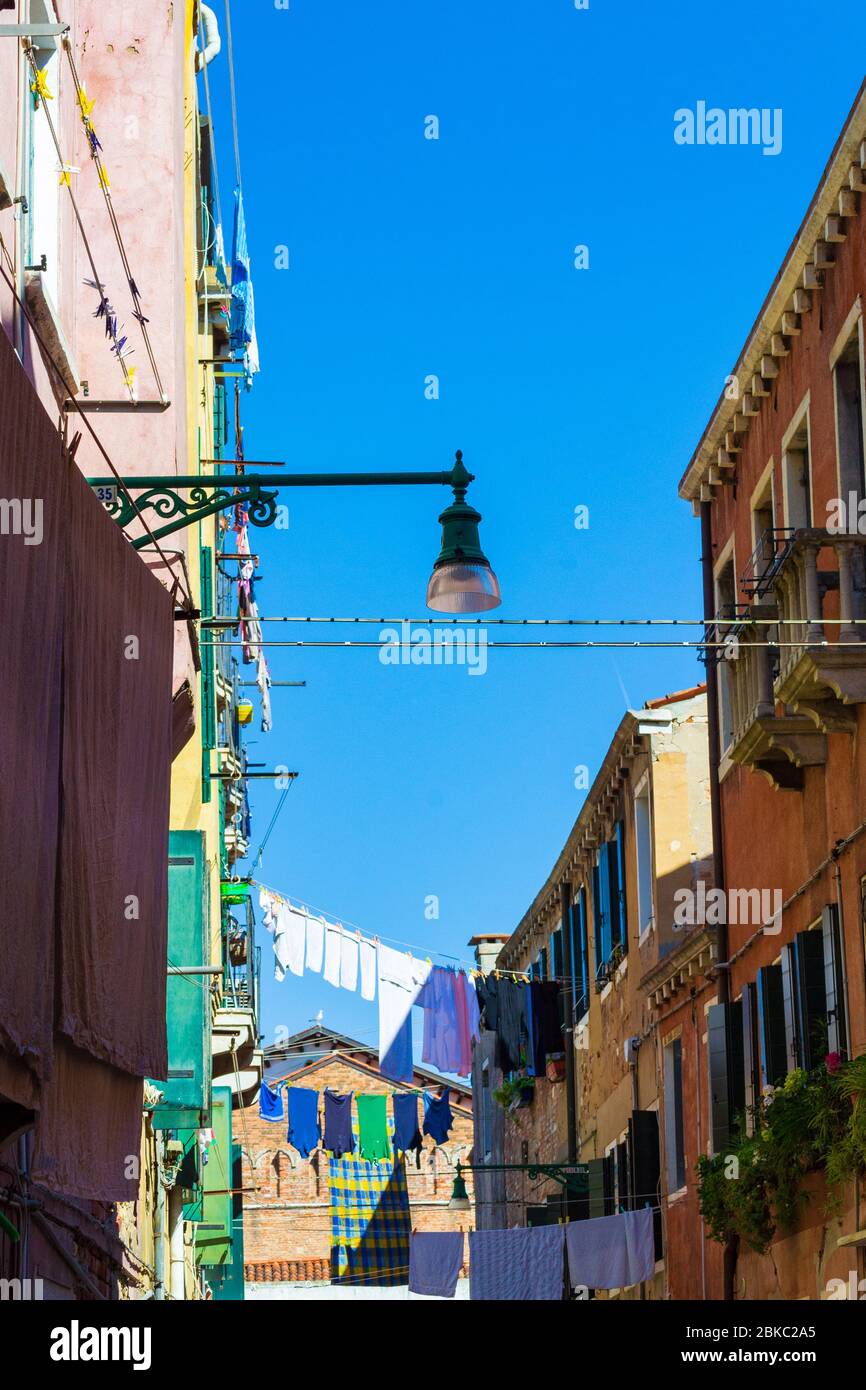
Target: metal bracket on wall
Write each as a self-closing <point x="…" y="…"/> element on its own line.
<point x="205" y="497"/>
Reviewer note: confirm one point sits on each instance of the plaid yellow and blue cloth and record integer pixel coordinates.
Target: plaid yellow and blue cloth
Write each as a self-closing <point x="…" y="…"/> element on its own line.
<point x="370" y="1221"/>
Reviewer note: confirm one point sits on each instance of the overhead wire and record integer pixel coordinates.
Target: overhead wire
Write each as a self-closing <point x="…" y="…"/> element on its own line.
<point x="449" y="646"/>
<point x="234" y="103"/>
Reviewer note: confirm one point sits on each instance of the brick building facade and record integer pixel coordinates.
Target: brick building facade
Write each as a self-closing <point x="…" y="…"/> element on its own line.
<point x="785" y="564"/>
<point x="642" y="836"/>
<point x="286" y="1208"/>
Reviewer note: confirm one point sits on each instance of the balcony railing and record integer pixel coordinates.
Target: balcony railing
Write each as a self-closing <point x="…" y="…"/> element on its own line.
<point x="815" y="665"/>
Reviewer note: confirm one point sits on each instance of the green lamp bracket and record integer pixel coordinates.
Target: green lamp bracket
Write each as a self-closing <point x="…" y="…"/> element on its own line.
<point x="181" y="501"/>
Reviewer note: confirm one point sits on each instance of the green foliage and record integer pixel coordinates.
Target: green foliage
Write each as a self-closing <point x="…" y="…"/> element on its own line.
<point x="513" y="1090"/>
<point x="815" y="1120"/>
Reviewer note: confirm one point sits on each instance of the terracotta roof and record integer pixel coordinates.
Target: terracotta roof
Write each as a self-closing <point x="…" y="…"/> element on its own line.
<point x="296" y="1271"/>
<point x="689" y="694"/>
<point x="287" y="1271"/>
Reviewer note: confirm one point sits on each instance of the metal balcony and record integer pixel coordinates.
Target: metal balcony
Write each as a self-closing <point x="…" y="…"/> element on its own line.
<point x="785" y="698"/>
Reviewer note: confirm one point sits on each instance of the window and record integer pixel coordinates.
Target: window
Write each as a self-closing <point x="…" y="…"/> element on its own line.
<point x="645" y="1174"/>
<point x="797" y="475"/>
<point x="643" y="850"/>
<point x="486" y="1113"/>
<point x="609" y="905"/>
<point x="727" y="1072"/>
<point x="763" y="533"/>
<point x="771" y="1025"/>
<point x="674" y="1138"/>
<point x="580" y="954"/>
<point x="848" y="388"/>
<point x="616" y="866"/>
<point x="601" y="915"/>
<point x="802" y="1002"/>
<point x="726" y="604"/>
<point x="556" y="954"/>
<point x="44" y="177"/>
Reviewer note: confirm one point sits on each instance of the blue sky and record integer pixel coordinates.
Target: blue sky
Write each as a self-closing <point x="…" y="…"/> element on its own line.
<point x="410" y="257"/>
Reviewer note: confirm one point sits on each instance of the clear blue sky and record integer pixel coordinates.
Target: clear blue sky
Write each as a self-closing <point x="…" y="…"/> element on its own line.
<point x="455" y="257"/>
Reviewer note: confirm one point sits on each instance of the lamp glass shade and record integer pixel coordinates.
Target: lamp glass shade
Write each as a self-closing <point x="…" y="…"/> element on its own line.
<point x="458" y="587"/>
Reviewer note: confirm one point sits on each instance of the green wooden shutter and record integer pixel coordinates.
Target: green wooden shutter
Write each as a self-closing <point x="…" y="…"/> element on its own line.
<point x="186" y="1089"/>
<point x="213" y="1237"/>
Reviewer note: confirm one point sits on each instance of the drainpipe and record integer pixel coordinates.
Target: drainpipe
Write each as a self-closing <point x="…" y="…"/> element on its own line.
<point x="567" y="994"/>
<point x="210" y="38"/>
<point x="177" y="1282"/>
<point x="714" y="735"/>
<point x="159" y="1230"/>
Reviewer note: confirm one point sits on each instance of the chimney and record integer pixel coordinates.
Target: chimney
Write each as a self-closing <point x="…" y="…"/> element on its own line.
<point x="487" y="948"/>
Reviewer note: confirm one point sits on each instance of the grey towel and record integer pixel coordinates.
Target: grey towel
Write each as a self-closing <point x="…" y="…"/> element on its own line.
<point x="525" y="1263"/>
<point x="611" y="1252"/>
<point x="435" y="1258"/>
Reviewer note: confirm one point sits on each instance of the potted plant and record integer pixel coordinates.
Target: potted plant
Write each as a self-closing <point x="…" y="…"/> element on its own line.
<point x="555" y="1069"/>
<point x="515" y="1093"/>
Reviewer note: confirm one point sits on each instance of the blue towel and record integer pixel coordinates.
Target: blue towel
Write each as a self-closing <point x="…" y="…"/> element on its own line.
<point x="435" y="1258"/>
<point x="303" y="1131"/>
<point x="270" y="1103"/>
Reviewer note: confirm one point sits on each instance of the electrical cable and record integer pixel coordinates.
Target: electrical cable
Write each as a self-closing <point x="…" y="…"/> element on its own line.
<point x="389" y="645"/>
<point x="231" y="66"/>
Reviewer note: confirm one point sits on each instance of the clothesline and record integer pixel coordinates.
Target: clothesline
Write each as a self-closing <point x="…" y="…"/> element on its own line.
<point x="293" y="901"/>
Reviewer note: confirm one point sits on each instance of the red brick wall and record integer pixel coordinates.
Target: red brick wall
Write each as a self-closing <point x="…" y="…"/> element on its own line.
<point x="777" y="839"/>
<point x="286" y="1211"/>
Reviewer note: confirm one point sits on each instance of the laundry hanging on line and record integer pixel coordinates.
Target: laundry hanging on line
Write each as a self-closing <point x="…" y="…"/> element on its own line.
<point x="435" y="1261"/>
<point x="372" y="1135"/>
<point x="346" y="958"/>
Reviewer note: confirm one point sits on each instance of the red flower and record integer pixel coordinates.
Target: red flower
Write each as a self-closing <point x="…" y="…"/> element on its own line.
<point x="833" y="1061"/>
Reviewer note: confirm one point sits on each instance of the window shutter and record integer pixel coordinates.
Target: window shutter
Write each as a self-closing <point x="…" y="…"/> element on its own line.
<point x="771" y="1011"/>
<point x="811" y="996"/>
<point x="623" y="1177"/>
<point x="599" y="1184"/>
<point x="789" y="1006"/>
<point x="556" y="949"/>
<point x="752" y="1088"/>
<point x="736" y="1067"/>
<point x="617" y="888"/>
<point x="643" y="1141"/>
<point x="583" y="928"/>
<point x="834" y="984"/>
<point x="720" y="1091"/>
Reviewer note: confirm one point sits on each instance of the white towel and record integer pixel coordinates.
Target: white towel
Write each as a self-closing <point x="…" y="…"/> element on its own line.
<point x="368" y="969"/>
<point x="333" y="951"/>
<point x="315" y="944"/>
<point x="349" y="960"/>
<point x="293" y="926"/>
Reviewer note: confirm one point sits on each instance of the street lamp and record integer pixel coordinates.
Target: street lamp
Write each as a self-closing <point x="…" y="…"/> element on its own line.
<point x="462" y="580"/>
